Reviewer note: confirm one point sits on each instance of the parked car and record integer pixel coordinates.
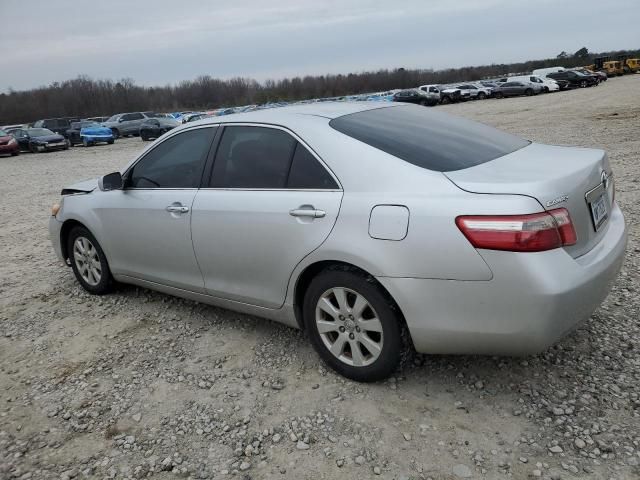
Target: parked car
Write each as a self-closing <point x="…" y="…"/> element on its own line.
<point x="56" y="125"/>
<point x="8" y="144"/>
<point x="575" y="79"/>
<point x="88" y="133"/>
<point x="515" y="88"/>
<point x="450" y="95"/>
<point x="95" y="119"/>
<point x="602" y="76"/>
<point x="546" y="84"/>
<point x="37" y="140"/>
<point x="543" y="72"/>
<point x="413" y="95"/>
<point x="125" y="124"/>
<point x="476" y="241"/>
<point x="432" y="93"/>
<point x="155" y="127"/>
<point x="192" y="117"/>
<point x="473" y="92"/>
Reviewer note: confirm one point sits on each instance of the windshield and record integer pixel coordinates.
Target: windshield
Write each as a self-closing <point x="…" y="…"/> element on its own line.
<point x="428" y="139"/>
<point x="39" y="132"/>
<point x="89" y="124"/>
<point x="114" y="118"/>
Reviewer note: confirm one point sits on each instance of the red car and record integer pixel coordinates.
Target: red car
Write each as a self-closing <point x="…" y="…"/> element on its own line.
<point x="8" y="144"/>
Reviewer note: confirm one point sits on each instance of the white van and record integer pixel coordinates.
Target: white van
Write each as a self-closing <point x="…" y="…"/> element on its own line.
<point x="543" y="72"/>
<point x="547" y="84"/>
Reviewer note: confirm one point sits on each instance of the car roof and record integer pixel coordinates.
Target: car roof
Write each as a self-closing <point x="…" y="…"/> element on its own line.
<point x="295" y="113"/>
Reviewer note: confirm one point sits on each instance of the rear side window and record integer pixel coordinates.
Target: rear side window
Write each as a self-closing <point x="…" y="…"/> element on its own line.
<point x="307" y="172"/>
<point x="426" y="138"/>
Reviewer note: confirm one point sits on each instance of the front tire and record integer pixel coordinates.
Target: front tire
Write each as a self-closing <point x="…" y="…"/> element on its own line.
<point x="353" y="325"/>
<point x="16" y="153"/>
<point x="86" y="142"/>
<point x="89" y="262"/>
<point x="116" y="132"/>
<point x="583" y="84"/>
<point x="528" y="92"/>
<point x="482" y="96"/>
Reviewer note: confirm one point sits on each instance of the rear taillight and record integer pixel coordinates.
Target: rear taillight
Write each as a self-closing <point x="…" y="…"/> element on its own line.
<point x="535" y="232"/>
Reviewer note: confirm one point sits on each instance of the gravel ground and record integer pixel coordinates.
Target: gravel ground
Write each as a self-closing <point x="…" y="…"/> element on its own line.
<point x="140" y="384"/>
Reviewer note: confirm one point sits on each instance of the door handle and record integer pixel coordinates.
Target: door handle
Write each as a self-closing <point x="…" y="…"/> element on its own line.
<point x="306" y="212"/>
<point x="176" y="208"/>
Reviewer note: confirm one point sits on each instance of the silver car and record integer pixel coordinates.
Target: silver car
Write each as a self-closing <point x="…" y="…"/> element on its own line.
<point x="357" y="222"/>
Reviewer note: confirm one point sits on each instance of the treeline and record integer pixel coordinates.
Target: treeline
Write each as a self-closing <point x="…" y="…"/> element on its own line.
<point x="85" y="97"/>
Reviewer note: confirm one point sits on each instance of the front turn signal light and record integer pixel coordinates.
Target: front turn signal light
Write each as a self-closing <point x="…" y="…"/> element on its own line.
<point x="55" y="209"/>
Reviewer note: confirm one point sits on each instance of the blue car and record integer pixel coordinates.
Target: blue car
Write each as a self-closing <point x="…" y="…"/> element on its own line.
<point x="89" y="133"/>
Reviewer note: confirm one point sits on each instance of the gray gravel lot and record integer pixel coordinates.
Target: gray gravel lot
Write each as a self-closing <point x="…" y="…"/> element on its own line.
<point x="140" y="384"/>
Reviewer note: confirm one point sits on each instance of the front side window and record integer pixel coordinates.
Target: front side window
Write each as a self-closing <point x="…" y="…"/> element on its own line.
<point x="135" y="116"/>
<point x="253" y="157"/>
<point x="175" y="163"/>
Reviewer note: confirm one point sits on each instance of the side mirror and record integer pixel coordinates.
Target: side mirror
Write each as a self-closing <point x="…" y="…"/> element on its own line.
<point x="113" y="181"/>
<point x="120" y="120"/>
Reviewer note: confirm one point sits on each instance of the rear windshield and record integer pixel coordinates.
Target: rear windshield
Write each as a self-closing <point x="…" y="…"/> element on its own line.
<point x="428" y="139"/>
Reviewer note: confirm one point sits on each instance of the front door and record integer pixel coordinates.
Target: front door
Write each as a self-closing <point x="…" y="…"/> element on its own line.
<point x="147" y="225"/>
<point x="270" y="202"/>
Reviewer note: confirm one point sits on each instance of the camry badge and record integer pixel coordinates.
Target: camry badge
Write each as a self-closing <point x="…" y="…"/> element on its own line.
<point x="604" y="178"/>
<point x="555" y="201"/>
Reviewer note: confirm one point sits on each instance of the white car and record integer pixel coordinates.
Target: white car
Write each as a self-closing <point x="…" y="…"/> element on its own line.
<point x="543" y="72"/>
<point x="547" y="84"/>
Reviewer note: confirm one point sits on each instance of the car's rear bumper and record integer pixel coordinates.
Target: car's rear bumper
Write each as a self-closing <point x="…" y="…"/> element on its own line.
<point x="532" y="301"/>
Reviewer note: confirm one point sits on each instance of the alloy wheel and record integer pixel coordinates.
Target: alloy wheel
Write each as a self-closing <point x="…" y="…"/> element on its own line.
<point x="87" y="261"/>
<point x="349" y="326"/>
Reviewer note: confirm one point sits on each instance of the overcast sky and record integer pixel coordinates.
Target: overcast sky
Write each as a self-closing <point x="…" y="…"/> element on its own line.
<point x="165" y="41"/>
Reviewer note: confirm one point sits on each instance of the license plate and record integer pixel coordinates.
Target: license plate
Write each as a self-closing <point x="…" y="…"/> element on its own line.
<point x="599" y="211"/>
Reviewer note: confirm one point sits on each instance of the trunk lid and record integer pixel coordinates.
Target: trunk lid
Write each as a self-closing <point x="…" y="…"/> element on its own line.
<point x="557" y="177"/>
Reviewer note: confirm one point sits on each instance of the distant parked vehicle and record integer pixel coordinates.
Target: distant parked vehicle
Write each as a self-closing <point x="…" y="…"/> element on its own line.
<point x="95" y="119"/>
<point x="36" y="140"/>
<point x="88" y="133"/>
<point x="432" y="92"/>
<point x="56" y="125"/>
<point x="545" y="84"/>
<point x="516" y="88"/>
<point x="155" y="127"/>
<point x="413" y="96"/>
<point x="575" y="79"/>
<point x="192" y="117"/>
<point x="543" y="72"/>
<point x="8" y="144"/>
<point x="125" y="124"/>
<point x="602" y="76"/>
<point x="473" y="92"/>
<point x="450" y="95"/>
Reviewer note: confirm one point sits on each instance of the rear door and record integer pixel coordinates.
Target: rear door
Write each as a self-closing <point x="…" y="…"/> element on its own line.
<point x="270" y="202"/>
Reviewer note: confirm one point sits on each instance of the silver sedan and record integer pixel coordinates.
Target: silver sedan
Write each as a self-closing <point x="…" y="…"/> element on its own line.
<point x="358" y="222"/>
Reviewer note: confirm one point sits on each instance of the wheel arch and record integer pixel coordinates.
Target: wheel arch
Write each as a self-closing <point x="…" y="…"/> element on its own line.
<point x="311" y="271"/>
<point x="67" y="226"/>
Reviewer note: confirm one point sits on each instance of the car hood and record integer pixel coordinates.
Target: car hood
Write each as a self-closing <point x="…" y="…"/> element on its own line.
<point x="86" y="186"/>
<point x="95" y="131"/>
<point x="5" y="138"/>
<point x="48" y="138"/>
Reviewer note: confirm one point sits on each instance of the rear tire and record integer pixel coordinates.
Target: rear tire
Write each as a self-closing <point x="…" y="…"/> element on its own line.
<point x="499" y="95"/>
<point x="351" y="321"/>
<point x="116" y="133"/>
<point x="89" y="262"/>
<point x="528" y="92"/>
<point x="16" y="153"/>
<point x="445" y="100"/>
<point x="110" y="142"/>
